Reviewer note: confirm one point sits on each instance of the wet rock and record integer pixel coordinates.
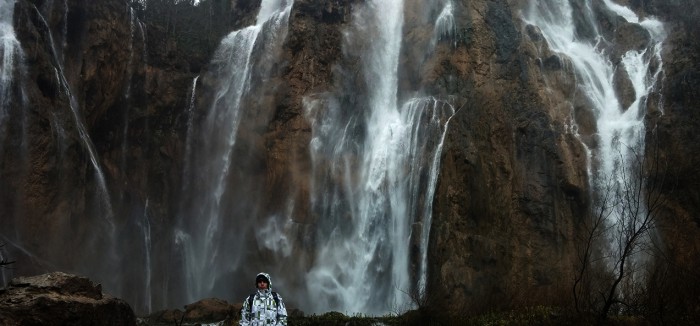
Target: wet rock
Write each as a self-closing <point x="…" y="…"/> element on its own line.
<point x="209" y="310"/>
<point x="500" y="21"/>
<point x="534" y="33"/>
<point x="629" y="37"/>
<point x="623" y="87"/>
<point x="61" y="299"/>
<point x="552" y="62"/>
<point x="205" y="311"/>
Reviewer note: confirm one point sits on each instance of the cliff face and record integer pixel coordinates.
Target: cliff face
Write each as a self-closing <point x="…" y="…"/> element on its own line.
<point x="513" y="183"/>
<point x="74" y="76"/>
<point x="108" y="98"/>
<point x="98" y="133"/>
<point x="513" y="192"/>
<point x="678" y="149"/>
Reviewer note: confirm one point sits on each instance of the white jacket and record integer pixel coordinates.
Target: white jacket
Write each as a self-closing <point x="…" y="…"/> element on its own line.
<point x="264" y="310"/>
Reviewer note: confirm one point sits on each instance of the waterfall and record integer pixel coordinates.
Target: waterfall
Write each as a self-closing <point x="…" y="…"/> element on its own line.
<point x="13" y="133"/>
<point x="142" y="30"/>
<point x="200" y="237"/>
<point x="103" y="194"/>
<point x="97" y="251"/>
<point x="64" y="30"/>
<point x="11" y="55"/>
<point x="620" y="128"/>
<point x="445" y="27"/>
<point x="188" y="137"/>
<point x="4" y="279"/>
<point x="127" y="93"/>
<point x="355" y="264"/>
<point x="374" y="174"/>
<point x="147" y="247"/>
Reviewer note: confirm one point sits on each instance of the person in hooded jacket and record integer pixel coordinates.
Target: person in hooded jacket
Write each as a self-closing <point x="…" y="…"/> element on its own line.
<point x="264" y="307"/>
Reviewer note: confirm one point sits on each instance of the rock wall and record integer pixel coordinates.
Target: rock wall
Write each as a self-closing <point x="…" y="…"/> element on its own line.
<point x="678" y="146"/>
<point x="98" y="83"/>
<point x="513" y="188"/>
<point x="513" y="183"/>
<point x="75" y="76"/>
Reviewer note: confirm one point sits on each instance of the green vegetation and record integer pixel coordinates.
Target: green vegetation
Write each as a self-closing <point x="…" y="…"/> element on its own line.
<point x="532" y="316"/>
<point x="336" y="318"/>
<point x="538" y="315"/>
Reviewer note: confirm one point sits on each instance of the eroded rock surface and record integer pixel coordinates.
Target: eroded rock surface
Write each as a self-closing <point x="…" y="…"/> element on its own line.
<point x="61" y="299"/>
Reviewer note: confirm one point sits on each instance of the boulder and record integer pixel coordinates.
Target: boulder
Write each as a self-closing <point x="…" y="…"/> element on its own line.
<point x="61" y="299"/>
<point x="210" y="310"/>
<point x="206" y="311"/>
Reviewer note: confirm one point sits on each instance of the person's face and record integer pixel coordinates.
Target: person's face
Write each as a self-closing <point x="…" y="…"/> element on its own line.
<point x="262" y="285"/>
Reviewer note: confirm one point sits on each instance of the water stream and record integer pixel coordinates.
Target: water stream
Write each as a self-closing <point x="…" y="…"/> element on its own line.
<point x="619" y="128"/>
<point x="382" y="157"/>
<point x="13" y="122"/>
<point x="445" y="26"/>
<point x="200" y="236"/>
<point x="127" y="92"/>
<point x="375" y="170"/>
<point x="147" y="249"/>
<point x="104" y="197"/>
<point x="11" y="55"/>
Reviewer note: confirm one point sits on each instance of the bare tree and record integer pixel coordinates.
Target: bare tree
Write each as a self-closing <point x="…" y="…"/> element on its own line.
<point x="588" y="254"/>
<point x="615" y="238"/>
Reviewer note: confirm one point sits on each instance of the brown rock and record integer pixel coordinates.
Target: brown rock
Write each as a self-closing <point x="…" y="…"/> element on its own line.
<point x="61" y="299"/>
<point x="630" y="37"/>
<point x="209" y="310"/>
<point x="623" y="87"/>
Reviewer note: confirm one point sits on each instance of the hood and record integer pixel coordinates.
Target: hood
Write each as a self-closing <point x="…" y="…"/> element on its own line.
<point x="266" y="276"/>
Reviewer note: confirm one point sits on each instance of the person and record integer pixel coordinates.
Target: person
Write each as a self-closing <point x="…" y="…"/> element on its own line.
<point x="264" y="307"/>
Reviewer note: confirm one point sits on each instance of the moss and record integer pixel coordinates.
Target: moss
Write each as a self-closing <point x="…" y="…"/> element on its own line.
<point x="336" y="318"/>
<point x="539" y="315"/>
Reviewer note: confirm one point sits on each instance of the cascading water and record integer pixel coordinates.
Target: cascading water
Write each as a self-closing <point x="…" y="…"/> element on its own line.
<point x="188" y="136"/>
<point x="445" y="26"/>
<point x="4" y="279"/>
<point x="200" y="237"/>
<point x="11" y="109"/>
<point x="97" y="251"/>
<point x="11" y="53"/>
<point x="374" y="175"/>
<point x="127" y="92"/>
<point x="148" y="275"/>
<point x="104" y="197"/>
<point x="142" y="31"/>
<point x="620" y="129"/>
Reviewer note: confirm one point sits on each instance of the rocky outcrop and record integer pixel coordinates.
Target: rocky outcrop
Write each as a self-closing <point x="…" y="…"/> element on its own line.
<point x="61" y="299"/>
<point x="209" y="310"/>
